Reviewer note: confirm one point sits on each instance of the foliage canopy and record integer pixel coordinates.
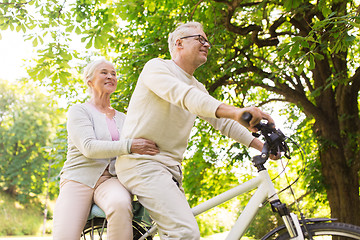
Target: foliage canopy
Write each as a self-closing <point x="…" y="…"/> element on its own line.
<point x="302" y="52"/>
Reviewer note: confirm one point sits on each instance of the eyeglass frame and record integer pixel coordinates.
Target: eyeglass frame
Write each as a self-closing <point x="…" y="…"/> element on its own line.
<point x="201" y="39"/>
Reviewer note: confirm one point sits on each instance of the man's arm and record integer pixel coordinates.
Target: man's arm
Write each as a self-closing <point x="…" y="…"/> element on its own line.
<point x="257" y="144"/>
<point x="228" y="111"/>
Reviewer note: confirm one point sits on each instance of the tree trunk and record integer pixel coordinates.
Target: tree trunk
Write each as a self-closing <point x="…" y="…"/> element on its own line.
<point x="342" y="185"/>
<point x="11" y="190"/>
<point x="340" y="176"/>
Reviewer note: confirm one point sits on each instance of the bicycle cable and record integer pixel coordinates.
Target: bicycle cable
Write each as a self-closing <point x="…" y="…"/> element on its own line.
<point x="283" y="171"/>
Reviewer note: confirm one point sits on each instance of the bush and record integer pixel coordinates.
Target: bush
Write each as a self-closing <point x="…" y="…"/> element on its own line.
<point x="17" y="219"/>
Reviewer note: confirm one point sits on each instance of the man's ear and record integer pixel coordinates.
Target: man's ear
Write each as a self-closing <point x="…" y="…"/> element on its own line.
<point x="178" y="43"/>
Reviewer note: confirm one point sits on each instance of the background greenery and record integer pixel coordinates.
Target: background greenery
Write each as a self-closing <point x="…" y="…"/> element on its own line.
<point x="301" y="55"/>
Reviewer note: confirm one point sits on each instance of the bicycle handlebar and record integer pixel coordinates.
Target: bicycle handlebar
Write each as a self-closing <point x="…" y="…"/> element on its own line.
<point x="274" y="138"/>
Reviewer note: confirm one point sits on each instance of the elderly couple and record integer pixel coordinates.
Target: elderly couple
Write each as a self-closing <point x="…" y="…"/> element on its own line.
<point x="112" y="156"/>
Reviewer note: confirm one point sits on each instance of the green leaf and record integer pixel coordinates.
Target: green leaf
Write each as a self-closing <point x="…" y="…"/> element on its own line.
<point x="83" y="39"/>
<point x="77" y="30"/>
<point x="63" y="77"/>
<point x="300" y="68"/>
<point x="35" y="42"/>
<point x="294" y="49"/>
<point x="284" y="50"/>
<point x="70" y="28"/>
<point x="318" y="56"/>
<point x="152" y="6"/>
<point x="354" y="24"/>
<point x="3" y="27"/>
<point x="350" y="38"/>
<point x="326" y="11"/>
<point x="98" y="43"/>
<point x="305" y="44"/>
<point x="316" y="92"/>
<point x="41" y="75"/>
<point x="89" y="44"/>
<point x="41" y="40"/>
<point x="312" y="62"/>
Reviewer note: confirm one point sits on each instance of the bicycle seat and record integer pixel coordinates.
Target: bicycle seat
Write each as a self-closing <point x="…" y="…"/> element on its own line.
<point x="140" y="213"/>
<point x="96" y="212"/>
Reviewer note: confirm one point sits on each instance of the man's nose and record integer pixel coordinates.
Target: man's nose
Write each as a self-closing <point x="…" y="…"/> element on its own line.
<point x="207" y="44"/>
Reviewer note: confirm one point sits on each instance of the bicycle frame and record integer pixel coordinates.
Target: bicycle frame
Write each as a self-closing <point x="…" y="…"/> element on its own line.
<point x="274" y="143"/>
<point x="265" y="190"/>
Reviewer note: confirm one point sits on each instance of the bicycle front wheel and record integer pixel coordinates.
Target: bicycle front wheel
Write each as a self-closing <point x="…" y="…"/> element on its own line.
<point x="328" y="231"/>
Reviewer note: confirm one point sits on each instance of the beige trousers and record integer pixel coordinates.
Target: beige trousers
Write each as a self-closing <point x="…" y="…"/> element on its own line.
<point x="159" y="189"/>
<point x="75" y="200"/>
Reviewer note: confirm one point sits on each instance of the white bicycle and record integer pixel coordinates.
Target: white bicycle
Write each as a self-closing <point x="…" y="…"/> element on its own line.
<point x="294" y="228"/>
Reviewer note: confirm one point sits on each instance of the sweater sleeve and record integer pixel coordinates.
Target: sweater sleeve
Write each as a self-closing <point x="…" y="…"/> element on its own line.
<point x="81" y="133"/>
<point x="232" y="129"/>
<point x="157" y="77"/>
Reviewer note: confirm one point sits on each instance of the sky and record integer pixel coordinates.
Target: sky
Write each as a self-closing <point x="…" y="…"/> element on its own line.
<point x="13" y="49"/>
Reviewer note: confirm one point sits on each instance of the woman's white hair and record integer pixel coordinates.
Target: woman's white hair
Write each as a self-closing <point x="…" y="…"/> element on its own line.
<point x="179" y="32"/>
<point x="89" y="71"/>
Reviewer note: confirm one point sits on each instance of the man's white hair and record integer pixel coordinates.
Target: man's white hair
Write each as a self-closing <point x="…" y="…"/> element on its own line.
<point x="181" y="31"/>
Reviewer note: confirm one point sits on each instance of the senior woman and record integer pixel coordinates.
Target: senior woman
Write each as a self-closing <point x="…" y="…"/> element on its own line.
<point x="88" y="174"/>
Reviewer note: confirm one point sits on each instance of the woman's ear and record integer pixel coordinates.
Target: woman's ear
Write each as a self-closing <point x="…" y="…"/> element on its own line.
<point x="89" y="83"/>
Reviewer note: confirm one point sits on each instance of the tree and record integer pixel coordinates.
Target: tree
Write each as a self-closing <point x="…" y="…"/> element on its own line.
<point x="26" y="124"/>
<point x="297" y="51"/>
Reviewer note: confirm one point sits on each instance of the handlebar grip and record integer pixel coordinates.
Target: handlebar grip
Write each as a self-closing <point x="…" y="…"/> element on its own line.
<point x="246" y="117"/>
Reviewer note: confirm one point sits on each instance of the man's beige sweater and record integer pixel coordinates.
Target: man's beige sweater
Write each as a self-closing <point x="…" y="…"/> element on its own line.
<point x="163" y="108"/>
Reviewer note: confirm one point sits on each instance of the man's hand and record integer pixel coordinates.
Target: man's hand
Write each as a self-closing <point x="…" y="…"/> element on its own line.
<point x="257" y="144"/>
<point x="227" y="111"/>
<point x="257" y="116"/>
<point x="144" y="146"/>
<point x="275" y="157"/>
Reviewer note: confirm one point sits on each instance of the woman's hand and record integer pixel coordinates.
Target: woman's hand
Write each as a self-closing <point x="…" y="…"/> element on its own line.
<point x="144" y="146"/>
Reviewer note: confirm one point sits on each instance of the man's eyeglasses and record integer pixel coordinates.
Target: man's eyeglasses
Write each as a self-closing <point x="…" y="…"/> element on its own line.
<point x="200" y="38"/>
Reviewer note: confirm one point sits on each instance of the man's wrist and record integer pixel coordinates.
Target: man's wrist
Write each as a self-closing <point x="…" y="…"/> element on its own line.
<point x="228" y="111"/>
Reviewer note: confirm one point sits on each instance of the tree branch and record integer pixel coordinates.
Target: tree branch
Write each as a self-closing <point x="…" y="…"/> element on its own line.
<point x="195" y="7"/>
<point x="255" y="29"/>
<point x="272" y="100"/>
<point x="307" y="81"/>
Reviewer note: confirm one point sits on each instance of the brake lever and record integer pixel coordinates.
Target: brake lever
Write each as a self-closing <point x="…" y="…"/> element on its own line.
<point x="274" y="137"/>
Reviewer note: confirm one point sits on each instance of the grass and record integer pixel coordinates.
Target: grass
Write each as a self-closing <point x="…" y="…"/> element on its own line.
<point x="17" y="219"/>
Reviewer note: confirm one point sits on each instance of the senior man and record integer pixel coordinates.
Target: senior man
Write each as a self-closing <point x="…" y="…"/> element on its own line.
<point x="163" y="108"/>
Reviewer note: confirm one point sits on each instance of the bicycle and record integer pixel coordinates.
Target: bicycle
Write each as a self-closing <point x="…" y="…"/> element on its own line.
<point x="96" y="224"/>
<point x="293" y="228"/>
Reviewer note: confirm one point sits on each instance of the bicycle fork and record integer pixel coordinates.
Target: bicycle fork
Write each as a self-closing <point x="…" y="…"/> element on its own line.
<point x="291" y="221"/>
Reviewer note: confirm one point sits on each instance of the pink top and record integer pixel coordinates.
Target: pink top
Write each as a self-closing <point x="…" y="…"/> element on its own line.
<point x="111" y="125"/>
<point x="112" y="129"/>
